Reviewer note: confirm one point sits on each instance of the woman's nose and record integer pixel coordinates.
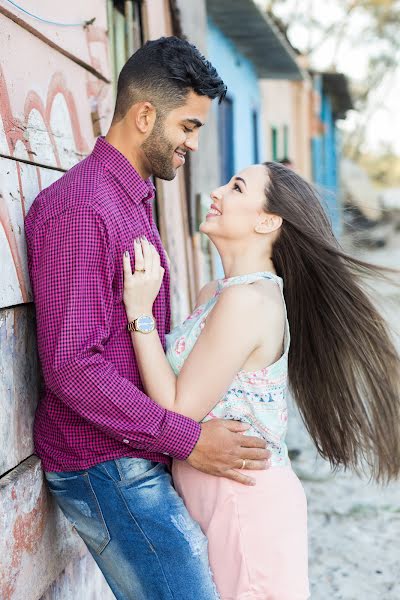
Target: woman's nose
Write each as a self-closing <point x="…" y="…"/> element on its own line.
<point x="216" y="194"/>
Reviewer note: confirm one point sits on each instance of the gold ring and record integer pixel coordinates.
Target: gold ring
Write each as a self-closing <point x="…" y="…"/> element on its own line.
<point x="243" y="463"/>
<point x="140" y="270"/>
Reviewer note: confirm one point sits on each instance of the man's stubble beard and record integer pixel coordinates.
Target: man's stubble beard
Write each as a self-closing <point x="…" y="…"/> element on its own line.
<point x="160" y="152"/>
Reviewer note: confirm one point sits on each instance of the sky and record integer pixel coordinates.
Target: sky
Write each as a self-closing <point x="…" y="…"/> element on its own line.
<point x="383" y="127"/>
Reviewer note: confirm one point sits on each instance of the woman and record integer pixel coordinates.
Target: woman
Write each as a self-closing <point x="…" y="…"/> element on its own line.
<point x="231" y="359"/>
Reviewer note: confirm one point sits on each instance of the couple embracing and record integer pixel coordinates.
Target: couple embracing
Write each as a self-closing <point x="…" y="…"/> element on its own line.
<point x="166" y="449"/>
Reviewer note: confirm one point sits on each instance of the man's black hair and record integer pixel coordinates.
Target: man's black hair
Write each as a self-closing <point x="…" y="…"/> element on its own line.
<point x="163" y="72"/>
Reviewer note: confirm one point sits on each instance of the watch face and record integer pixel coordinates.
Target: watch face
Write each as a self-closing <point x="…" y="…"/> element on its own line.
<point x="145" y="324"/>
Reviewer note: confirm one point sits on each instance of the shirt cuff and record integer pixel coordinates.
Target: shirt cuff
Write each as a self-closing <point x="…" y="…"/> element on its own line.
<point x="179" y="436"/>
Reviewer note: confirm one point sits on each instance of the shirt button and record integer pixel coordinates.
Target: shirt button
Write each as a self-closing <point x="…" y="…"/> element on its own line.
<point x="126" y="441"/>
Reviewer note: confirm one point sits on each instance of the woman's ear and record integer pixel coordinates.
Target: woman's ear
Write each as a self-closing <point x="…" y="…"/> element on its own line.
<point x="268" y="223"/>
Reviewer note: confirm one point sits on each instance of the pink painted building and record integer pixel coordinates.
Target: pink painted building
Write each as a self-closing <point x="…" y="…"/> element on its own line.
<point x="288" y="108"/>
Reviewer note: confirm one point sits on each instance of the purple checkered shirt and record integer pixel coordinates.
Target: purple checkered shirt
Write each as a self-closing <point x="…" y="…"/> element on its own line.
<point x="94" y="408"/>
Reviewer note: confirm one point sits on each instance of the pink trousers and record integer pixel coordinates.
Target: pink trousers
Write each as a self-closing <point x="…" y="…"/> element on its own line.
<point x="257" y="535"/>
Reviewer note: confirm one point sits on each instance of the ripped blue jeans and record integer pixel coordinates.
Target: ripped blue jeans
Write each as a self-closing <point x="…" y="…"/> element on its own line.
<point x="137" y="529"/>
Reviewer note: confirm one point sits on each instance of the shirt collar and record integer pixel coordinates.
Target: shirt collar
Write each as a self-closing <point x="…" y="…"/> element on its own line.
<point x="119" y="166"/>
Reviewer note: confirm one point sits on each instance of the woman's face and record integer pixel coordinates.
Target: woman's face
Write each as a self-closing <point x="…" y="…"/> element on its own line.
<point x="237" y="207"/>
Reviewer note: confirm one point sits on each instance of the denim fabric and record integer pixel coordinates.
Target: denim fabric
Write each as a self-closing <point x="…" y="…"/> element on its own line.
<point x="137" y="529"/>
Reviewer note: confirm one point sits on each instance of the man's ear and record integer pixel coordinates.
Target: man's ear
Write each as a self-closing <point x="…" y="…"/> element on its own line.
<point x="143" y="116"/>
<point x="268" y="223"/>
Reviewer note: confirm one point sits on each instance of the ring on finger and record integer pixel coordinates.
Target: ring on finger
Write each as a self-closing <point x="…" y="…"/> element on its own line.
<point x="243" y="463"/>
<point x="140" y="270"/>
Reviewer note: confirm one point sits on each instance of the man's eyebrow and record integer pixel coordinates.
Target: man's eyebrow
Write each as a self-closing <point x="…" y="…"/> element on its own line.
<point x="194" y="122"/>
<point x="241" y="179"/>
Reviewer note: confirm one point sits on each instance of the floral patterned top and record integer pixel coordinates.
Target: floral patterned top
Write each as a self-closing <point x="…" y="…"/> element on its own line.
<point x="256" y="397"/>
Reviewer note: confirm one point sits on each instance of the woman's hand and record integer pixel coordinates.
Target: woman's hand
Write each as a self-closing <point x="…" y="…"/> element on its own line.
<point x="141" y="287"/>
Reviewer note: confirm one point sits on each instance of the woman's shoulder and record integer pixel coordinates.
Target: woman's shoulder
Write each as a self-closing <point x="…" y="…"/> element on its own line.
<point x="206" y="293"/>
<point x="261" y="294"/>
<point x="269" y="291"/>
<point x="261" y="301"/>
<point x="260" y="291"/>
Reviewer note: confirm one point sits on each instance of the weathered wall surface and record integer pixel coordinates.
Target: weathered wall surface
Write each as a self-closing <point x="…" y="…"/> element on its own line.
<point x="36" y="542"/>
<point x="19" y="384"/>
<point x="54" y="100"/>
<point x="47" y="107"/>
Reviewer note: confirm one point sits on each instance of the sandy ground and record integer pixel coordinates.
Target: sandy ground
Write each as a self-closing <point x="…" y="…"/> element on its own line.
<point x="354" y="526"/>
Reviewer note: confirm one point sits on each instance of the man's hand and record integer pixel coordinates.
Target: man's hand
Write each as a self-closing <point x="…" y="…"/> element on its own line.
<point x="222" y="447"/>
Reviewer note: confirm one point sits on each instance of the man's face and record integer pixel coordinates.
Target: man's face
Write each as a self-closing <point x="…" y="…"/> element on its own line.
<point x="174" y="135"/>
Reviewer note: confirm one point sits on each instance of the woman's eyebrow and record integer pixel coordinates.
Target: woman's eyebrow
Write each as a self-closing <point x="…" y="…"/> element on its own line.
<point x="241" y="179"/>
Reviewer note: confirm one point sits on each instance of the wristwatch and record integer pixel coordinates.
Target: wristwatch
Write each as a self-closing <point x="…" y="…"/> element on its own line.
<point x="143" y="324"/>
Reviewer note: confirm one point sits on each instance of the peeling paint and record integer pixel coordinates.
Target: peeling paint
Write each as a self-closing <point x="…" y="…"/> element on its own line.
<point x="35" y="536"/>
<point x="81" y="579"/>
<point x="47" y="124"/>
<point x="19" y="386"/>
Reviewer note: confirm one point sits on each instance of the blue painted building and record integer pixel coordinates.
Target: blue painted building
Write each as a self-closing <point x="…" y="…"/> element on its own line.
<point x="244" y="45"/>
<point x="239" y="115"/>
<point x="335" y="100"/>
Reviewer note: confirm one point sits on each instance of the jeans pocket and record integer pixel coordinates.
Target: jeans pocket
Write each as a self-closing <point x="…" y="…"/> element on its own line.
<point x="77" y="499"/>
<point x="133" y="470"/>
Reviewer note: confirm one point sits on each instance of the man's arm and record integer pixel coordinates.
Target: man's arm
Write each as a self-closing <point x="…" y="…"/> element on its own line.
<point x="72" y="275"/>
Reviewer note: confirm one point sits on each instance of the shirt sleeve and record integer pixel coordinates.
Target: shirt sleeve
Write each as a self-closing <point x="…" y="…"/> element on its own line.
<point x="72" y="281"/>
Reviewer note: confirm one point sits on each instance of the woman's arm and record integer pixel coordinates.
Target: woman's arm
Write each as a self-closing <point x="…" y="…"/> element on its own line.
<point x="230" y="334"/>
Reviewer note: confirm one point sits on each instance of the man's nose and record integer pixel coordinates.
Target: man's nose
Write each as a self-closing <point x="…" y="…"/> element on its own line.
<point x="192" y="142"/>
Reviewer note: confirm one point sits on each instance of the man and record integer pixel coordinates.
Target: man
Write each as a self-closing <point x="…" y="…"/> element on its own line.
<point x="105" y="446"/>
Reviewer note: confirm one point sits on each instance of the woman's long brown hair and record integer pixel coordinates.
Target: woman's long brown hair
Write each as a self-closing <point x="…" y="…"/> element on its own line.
<point x="344" y="370"/>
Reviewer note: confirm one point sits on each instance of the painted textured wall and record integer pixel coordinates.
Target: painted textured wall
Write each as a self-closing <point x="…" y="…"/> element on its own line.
<point x="46" y="106"/>
<point x="54" y="99"/>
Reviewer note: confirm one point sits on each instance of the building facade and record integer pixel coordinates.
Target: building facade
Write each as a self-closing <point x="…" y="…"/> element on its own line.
<point x="288" y="119"/>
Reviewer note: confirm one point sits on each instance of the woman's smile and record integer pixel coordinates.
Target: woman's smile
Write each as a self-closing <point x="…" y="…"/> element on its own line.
<point x="213" y="211"/>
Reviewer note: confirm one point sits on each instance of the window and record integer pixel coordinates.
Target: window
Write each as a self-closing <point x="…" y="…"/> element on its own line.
<point x="124" y="31"/>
